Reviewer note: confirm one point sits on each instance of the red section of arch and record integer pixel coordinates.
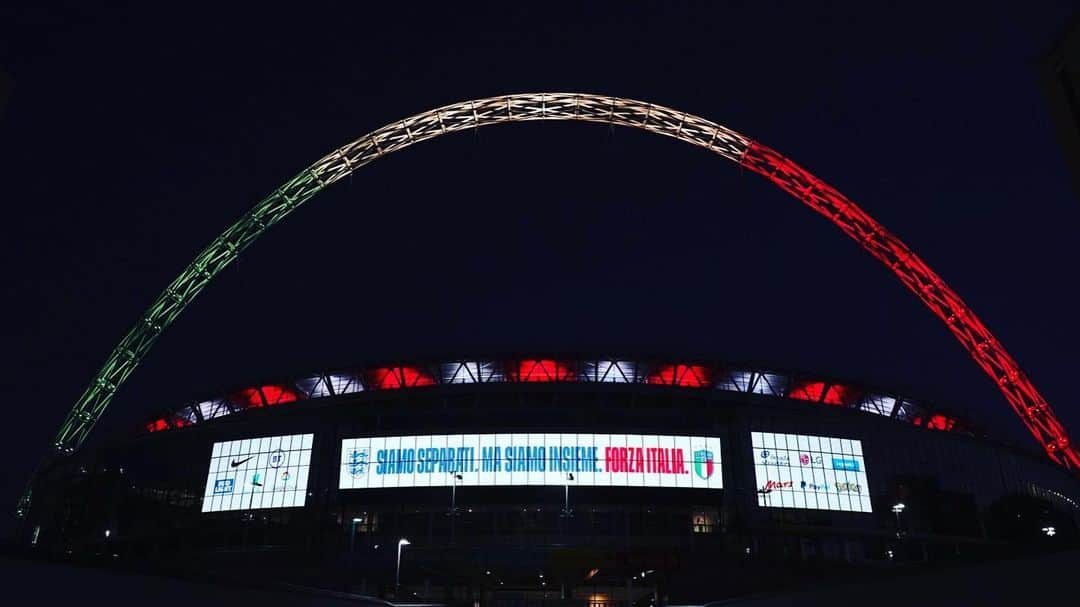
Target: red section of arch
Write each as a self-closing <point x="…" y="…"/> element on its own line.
<point x="983" y="347"/>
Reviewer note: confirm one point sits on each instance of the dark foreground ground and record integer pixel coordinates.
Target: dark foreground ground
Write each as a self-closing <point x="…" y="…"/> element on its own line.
<point x="1038" y="580"/>
<point x="1047" y="579"/>
<point x="38" y="584"/>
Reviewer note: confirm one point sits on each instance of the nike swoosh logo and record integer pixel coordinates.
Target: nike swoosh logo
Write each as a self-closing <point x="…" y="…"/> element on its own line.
<point x="235" y="463"/>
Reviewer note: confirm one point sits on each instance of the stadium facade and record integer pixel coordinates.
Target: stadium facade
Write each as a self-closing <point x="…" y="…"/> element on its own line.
<point x="519" y="480"/>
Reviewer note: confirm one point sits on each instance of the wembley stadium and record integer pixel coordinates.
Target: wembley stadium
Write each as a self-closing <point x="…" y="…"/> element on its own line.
<point x="530" y="478"/>
<point x="602" y="479"/>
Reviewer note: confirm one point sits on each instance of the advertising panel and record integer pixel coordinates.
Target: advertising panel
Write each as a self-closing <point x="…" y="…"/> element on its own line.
<point x="268" y="472"/>
<point x="608" y="460"/>
<point x="810" y="472"/>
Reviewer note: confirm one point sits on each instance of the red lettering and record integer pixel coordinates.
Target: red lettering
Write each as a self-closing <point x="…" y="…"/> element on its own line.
<point x="663" y="461"/>
<point x="607" y="459"/>
<point x="640" y="457"/>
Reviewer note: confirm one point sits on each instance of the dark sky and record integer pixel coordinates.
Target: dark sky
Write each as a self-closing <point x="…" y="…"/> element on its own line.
<point x="134" y="135"/>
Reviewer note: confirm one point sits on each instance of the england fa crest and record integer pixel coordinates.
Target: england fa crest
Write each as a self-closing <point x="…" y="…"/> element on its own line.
<point x="358" y="462"/>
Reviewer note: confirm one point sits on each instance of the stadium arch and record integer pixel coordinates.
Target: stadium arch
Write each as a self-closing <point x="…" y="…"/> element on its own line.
<point x="985" y="349"/>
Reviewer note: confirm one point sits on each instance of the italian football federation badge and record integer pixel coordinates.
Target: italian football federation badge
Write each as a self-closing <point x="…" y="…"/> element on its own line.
<point x="704" y="465"/>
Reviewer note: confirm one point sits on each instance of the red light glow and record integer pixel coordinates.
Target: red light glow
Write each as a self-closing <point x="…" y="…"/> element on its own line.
<point x="937" y="421"/>
<point x="272" y="393"/>
<point x="816" y="391"/>
<point x="687" y="376"/>
<point x="392" y="378"/>
<point x="250" y="397"/>
<point x="838" y="394"/>
<point x="276" y="395"/>
<point x="542" y="371"/>
<point x="157" y="426"/>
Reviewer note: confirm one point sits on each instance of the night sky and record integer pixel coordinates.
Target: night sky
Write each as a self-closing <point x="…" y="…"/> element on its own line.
<point x="133" y="136"/>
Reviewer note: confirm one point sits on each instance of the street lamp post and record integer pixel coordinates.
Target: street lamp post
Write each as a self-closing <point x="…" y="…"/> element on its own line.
<point x="567" y="513"/>
<point x="897" y="509"/>
<point x="352" y="535"/>
<point x="453" y="501"/>
<point x="397" y="576"/>
<point x="453" y="492"/>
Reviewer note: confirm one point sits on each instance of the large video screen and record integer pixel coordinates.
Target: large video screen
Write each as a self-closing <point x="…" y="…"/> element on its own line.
<point x="608" y="460"/>
<point x="268" y="472"/>
<point x="810" y="472"/>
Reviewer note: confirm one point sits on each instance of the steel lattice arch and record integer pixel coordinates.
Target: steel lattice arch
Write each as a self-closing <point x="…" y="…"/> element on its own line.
<point x="991" y="356"/>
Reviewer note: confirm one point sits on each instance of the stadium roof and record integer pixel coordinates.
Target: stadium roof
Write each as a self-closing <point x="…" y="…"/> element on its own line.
<point x="698" y="376"/>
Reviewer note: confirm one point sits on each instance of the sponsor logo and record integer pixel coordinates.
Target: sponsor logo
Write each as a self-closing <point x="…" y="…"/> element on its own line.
<point x="772" y="458"/>
<point x="848" y="487"/>
<point x="703" y="463"/>
<point x="224" y="485"/>
<point x="813" y="486"/>
<point x="277" y="458"/>
<point x="237" y="462"/>
<point x="771" y="485"/>
<point x="841" y="463"/>
<point x="358" y="462"/>
<point x="285" y="476"/>
<point x="256" y="479"/>
<point x="807" y="459"/>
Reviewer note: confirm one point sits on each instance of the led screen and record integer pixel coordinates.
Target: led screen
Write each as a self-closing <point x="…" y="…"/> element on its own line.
<point x="268" y="472"/>
<point x="815" y="472"/>
<point x="609" y="460"/>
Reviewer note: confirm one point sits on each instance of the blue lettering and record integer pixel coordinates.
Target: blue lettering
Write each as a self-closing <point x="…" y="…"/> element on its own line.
<point x="840" y="463"/>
